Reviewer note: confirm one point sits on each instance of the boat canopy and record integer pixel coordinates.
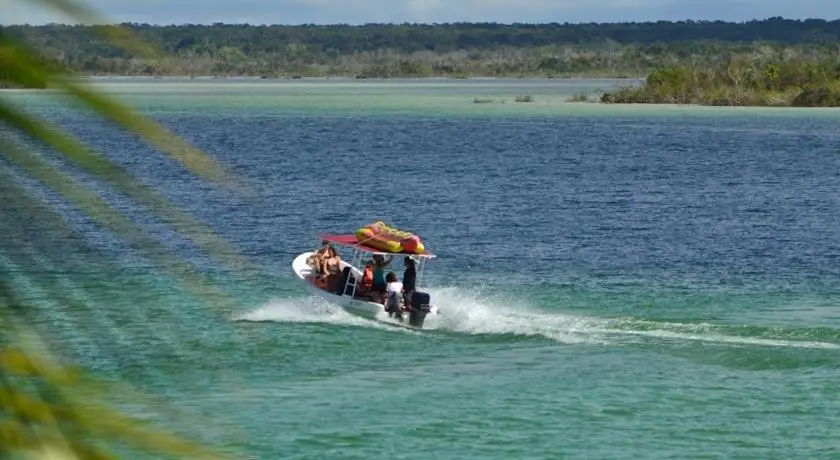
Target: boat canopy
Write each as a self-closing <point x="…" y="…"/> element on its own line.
<point x="350" y="240"/>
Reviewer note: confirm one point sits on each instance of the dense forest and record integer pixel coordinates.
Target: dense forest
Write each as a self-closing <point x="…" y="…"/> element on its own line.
<point x="416" y="50"/>
<point x="13" y="54"/>
<point x="740" y="82"/>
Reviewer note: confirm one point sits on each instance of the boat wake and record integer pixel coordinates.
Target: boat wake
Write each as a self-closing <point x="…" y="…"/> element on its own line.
<point x="468" y="311"/>
<point x="309" y="309"/>
<point x="471" y="312"/>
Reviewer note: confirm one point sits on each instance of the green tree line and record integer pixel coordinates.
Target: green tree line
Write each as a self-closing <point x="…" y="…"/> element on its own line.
<point x="746" y="80"/>
<point x="417" y="50"/>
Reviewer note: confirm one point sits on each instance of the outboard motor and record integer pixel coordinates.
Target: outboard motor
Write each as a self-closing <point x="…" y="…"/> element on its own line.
<point x="419" y="309"/>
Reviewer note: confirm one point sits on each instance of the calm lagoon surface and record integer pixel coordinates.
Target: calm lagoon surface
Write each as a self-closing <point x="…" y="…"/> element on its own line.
<point x="617" y="282"/>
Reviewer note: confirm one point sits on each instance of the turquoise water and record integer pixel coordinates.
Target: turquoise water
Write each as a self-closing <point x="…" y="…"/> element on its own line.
<point x="617" y="281"/>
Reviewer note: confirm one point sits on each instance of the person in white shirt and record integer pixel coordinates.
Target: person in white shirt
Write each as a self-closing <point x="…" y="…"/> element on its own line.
<point x="393" y="294"/>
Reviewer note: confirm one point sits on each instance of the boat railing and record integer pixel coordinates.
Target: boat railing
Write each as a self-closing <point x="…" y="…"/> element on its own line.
<point x="350" y="284"/>
<point x="420" y="262"/>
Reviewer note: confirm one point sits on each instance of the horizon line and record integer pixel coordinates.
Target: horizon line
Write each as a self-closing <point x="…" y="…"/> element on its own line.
<point x="423" y="24"/>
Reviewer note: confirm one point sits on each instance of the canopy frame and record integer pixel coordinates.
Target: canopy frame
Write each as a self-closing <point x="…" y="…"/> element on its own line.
<point x="360" y="249"/>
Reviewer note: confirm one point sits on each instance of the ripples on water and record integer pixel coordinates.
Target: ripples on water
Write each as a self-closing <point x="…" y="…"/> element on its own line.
<point x="615" y="284"/>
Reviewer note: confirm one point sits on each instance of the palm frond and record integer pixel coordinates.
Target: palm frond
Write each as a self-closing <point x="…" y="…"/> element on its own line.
<point x="124" y="182"/>
<point x="17" y="61"/>
<point x="41" y="407"/>
<point x="25" y="265"/>
<point x="101" y="212"/>
<point x="50" y="404"/>
<point x="117" y="35"/>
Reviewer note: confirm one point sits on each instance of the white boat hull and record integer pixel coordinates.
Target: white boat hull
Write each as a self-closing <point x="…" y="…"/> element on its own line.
<point x="360" y="307"/>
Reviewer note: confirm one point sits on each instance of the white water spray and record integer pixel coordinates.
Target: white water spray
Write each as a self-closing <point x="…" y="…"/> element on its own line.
<point x="470" y="311"/>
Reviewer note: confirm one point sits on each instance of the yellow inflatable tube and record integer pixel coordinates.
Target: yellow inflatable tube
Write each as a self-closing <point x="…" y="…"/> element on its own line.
<point x="388" y="239"/>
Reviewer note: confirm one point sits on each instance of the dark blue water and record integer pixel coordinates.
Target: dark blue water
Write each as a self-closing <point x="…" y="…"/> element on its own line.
<point x="670" y="200"/>
<point x="637" y="285"/>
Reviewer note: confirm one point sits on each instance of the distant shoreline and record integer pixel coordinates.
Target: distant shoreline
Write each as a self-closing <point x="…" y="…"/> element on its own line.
<point x="341" y="78"/>
<point x="670" y="86"/>
<point x="458" y="51"/>
<point x="352" y="78"/>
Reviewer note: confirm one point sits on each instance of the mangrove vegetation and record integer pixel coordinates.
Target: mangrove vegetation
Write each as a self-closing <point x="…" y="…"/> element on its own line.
<point x="753" y="80"/>
<point x="456" y="50"/>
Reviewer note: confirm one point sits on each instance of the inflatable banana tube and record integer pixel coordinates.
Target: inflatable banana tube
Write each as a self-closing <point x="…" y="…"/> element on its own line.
<point x="388" y="239"/>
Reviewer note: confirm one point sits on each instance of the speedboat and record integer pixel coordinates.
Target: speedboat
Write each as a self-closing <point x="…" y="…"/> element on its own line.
<point x="341" y="288"/>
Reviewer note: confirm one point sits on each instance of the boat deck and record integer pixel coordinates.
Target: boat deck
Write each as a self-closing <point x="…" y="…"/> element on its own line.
<point x="330" y="285"/>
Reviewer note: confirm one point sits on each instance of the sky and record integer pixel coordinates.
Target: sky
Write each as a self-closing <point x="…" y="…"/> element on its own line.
<point x="425" y="11"/>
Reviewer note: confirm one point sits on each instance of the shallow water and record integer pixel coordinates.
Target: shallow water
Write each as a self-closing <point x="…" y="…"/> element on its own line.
<point x="617" y="281"/>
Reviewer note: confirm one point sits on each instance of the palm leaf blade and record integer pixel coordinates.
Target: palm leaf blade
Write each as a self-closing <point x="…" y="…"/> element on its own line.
<point x="115" y="176"/>
<point x="118" y="35"/>
<point x="99" y="210"/>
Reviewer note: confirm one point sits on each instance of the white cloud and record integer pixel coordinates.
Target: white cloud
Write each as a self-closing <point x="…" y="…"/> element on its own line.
<point x="17" y="12"/>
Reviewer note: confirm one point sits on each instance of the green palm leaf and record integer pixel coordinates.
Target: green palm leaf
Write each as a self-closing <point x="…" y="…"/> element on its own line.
<point x="119" y="36"/>
<point x="20" y="65"/>
<point x="23" y="69"/>
<point x="42" y="405"/>
<point x="46" y="406"/>
<point x="97" y="209"/>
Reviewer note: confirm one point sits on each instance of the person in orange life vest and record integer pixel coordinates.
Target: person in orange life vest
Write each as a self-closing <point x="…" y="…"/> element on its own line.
<point x="366" y="283"/>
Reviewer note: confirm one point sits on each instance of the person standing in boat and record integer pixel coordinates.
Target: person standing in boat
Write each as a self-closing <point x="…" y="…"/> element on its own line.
<point x="409" y="281"/>
<point x="379" y="284"/>
<point x="393" y="290"/>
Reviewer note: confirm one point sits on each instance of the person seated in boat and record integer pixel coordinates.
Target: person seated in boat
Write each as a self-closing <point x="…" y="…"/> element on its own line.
<point x="315" y="259"/>
<point x="325" y="260"/>
<point x="409" y="280"/>
<point x="332" y="265"/>
<point x="366" y="283"/>
<point x="393" y="296"/>
<point x="379" y="285"/>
